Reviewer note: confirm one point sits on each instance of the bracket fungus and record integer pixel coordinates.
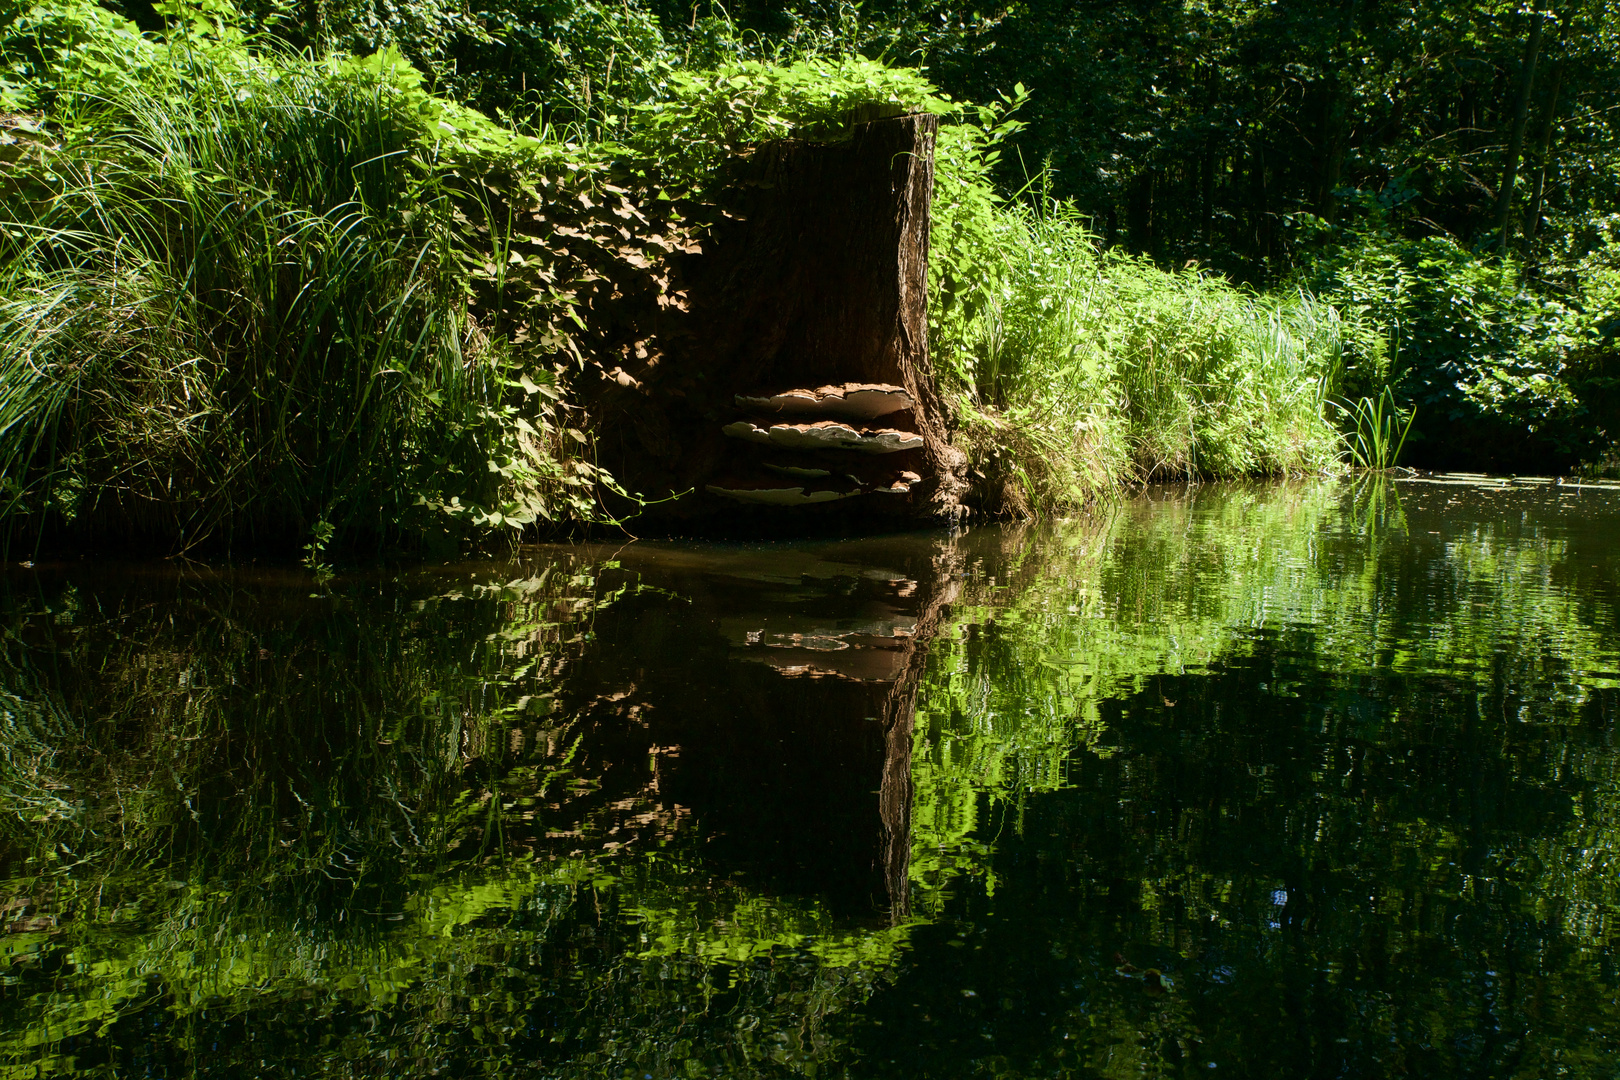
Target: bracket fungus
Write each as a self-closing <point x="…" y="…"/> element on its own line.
<point x="826" y="435"/>
<point x="800" y="471"/>
<point x="864" y="401"/>
<point x="779" y="496"/>
<point x="858" y="650"/>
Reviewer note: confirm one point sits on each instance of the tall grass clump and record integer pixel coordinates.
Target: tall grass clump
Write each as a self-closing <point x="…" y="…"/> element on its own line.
<point x="1216" y="380"/>
<point x="1076" y="369"/>
<point x="1375" y="430"/>
<point x="233" y="307"/>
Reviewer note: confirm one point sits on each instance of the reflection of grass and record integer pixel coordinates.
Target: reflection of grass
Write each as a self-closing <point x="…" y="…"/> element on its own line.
<point x="1057" y="619"/>
<point x="237" y="803"/>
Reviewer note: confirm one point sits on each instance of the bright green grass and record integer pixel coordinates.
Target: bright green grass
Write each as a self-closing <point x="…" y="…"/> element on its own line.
<point x="232" y="307"/>
<point x="1077" y="369"/>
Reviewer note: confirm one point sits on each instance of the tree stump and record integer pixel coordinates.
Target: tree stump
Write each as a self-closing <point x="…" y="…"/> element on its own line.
<point x="796" y="386"/>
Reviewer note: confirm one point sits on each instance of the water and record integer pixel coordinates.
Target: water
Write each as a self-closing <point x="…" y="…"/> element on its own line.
<point x="1247" y="781"/>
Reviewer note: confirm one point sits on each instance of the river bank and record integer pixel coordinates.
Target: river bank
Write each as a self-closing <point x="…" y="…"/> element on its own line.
<point x="262" y="300"/>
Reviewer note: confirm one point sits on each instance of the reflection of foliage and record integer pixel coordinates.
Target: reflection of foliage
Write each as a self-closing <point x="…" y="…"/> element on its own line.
<point x="454" y="958"/>
<point x="1316" y="741"/>
<point x="1333" y="749"/>
<point x="242" y="805"/>
<point x="1057" y="620"/>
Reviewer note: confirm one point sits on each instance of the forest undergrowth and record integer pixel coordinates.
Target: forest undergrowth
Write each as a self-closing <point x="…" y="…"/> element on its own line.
<point x="260" y="295"/>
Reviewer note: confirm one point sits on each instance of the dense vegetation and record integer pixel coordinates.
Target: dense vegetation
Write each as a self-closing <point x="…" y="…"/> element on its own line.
<point x="261" y="281"/>
<point x="1443" y="174"/>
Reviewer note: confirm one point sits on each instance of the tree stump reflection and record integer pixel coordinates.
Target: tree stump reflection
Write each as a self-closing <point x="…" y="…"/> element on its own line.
<point x="761" y="699"/>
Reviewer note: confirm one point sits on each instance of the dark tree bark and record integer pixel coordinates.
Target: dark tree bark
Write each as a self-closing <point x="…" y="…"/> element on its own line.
<point x="1139" y="221"/>
<point x="1260" y="206"/>
<point x="1206" y="198"/>
<point x="1335" y="123"/>
<point x="1330" y="155"/>
<point x="1543" y="153"/>
<point x="1521" y="113"/>
<point x="1206" y="168"/>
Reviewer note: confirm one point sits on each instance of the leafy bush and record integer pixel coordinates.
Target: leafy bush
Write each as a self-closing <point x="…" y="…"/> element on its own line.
<point x="574" y="66"/>
<point x="1594" y="282"/>
<point x="1489" y="363"/>
<point x="232" y="304"/>
<point x="710" y="116"/>
<point x="77" y="41"/>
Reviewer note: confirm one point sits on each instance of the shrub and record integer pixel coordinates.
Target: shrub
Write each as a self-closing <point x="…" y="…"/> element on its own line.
<point x="1486" y="360"/>
<point x="232" y="306"/>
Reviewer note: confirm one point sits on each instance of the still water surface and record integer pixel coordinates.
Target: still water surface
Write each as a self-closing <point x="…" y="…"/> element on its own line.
<point x="1253" y="781"/>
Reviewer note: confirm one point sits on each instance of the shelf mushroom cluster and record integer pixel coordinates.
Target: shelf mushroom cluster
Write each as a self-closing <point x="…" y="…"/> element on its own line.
<point x="829" y="448"/>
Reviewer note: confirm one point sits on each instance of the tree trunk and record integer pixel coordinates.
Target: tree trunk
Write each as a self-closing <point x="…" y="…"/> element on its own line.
<point x="1139" y="223"/>
<point x="1206" y="175"/>
<point x="1330" y="160"/>
<point x="1336" y="124"/>
<point x="1544" y="150"/>
<point x="814" y="287"/>
<point x="1521" y="112"/>
<point x="1261" y="205"/>
<point x="1206" y="198"/>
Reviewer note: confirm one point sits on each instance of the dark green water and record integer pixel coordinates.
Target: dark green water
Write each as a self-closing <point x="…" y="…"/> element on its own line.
<point x="1241" y="781"/>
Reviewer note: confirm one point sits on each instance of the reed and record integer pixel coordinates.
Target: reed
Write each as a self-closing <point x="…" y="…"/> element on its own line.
<point x="1376" y="430"/>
